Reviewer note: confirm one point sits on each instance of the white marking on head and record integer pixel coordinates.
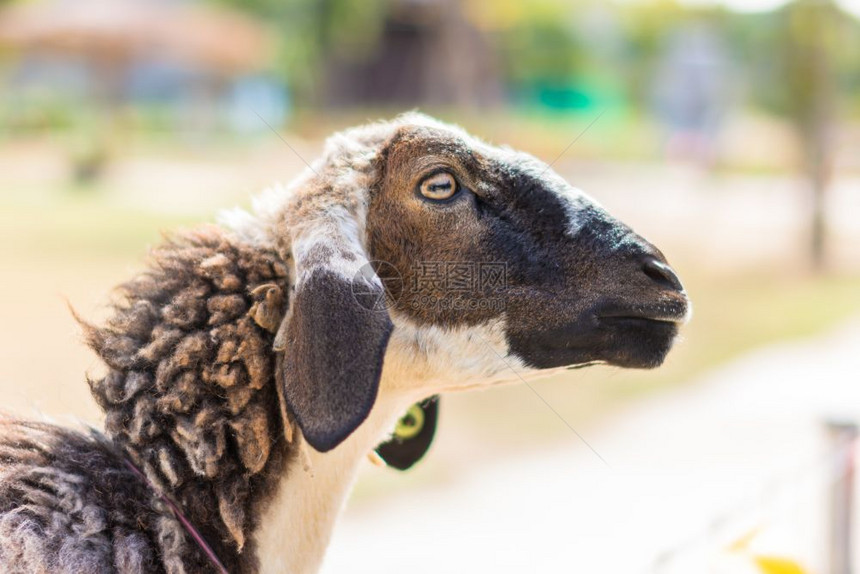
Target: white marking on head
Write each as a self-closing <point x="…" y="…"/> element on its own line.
<point x="340" y="248"/>
<point x="574" y="201"/>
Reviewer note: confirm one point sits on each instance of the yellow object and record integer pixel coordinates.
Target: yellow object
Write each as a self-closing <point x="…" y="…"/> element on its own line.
<point x="774" y="565"/>
<point x="764" y="564"/>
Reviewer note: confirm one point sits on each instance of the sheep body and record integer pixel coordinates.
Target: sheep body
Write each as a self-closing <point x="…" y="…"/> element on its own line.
<point x="69" y="504"/>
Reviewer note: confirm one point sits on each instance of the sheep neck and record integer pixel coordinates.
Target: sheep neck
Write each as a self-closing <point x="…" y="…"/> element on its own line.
<point x="190" y="397"/>
<point x="297" y="526"/>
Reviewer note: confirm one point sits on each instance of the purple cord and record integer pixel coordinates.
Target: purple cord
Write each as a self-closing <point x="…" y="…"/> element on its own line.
<point x="198" y="538"/>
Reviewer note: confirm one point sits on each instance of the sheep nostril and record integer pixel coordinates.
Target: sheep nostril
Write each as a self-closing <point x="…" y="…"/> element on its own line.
<point x="662" y="274"/>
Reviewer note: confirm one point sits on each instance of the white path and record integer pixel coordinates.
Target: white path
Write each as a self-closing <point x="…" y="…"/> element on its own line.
<point x="691" y="469"/>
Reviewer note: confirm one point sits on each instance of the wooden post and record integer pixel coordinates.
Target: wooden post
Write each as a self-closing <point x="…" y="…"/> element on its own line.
<point x="843" y="437"/>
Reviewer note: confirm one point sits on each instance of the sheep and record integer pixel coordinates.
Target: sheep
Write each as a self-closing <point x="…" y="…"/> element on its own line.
<point x="256" y="362"/>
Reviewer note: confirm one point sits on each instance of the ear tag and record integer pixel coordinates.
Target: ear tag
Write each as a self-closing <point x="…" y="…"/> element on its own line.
<point x="412" y="435"/>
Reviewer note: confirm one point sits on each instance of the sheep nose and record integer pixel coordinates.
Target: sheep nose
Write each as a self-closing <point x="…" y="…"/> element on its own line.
<point x="661" y="273"/>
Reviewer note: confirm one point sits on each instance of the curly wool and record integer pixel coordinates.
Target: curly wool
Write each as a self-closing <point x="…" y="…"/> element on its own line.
<point x="68" y="504"/>
<point x="189" y="398"/>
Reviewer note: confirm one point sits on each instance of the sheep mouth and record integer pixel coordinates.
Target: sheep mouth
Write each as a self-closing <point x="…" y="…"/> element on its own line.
<point x="675" y="311"/>
<point x="639" y="320"/>
<point x="629" y="341"/>
<point x="639" y="341"/>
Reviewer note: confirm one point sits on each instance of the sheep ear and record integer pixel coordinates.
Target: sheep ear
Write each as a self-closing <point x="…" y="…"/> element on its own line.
<point x="333" y="337"/>
<point x="412" y="437"/>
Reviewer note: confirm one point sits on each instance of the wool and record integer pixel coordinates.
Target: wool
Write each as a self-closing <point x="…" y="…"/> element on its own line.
<point x="187" y="397"/>
<point x="69" y="504"/>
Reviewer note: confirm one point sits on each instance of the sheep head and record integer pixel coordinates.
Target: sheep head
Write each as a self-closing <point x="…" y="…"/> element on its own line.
<point x="431" y="261"/>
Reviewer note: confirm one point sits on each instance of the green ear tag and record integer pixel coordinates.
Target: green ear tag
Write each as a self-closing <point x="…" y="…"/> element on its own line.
<point x="412" y="436"/>
<point x="410" y="424"/>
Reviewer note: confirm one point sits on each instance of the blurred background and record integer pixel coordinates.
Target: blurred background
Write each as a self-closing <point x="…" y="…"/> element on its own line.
<point x="726" y="132"/>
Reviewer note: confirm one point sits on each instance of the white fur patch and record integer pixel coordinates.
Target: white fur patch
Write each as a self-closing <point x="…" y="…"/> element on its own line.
<point x="574" y="200"/>
<point x="338" y="237"/>
<point x="297" y="526"/>
<point x="426" y="360"/>
<point x="256" y="227"/>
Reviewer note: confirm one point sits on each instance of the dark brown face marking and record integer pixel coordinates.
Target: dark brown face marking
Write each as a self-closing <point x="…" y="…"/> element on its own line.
<point x="576" y="285"/>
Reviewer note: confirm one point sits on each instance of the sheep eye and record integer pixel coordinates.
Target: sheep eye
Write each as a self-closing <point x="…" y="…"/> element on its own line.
<point x="439" y="186"/>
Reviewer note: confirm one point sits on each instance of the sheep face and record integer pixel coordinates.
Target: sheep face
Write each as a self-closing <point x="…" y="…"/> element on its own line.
<point x="453" y="264"/>
<point x="466" y="236"/>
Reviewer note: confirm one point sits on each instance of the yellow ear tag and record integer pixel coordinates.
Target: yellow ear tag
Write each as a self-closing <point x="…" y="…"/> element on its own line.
<point x="410" y="424"/>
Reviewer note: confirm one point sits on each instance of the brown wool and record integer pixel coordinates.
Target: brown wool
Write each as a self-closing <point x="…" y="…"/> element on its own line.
<point x="188" y="398"/>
